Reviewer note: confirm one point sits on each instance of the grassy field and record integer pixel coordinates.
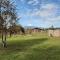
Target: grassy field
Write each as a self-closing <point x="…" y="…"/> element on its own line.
<point x="31" y="47"/>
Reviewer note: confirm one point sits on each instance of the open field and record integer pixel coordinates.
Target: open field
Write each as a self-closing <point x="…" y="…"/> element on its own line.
<point x="31" y="47"/>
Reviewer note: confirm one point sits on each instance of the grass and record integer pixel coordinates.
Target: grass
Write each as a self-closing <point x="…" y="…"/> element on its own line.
<point x="31" y="47"/>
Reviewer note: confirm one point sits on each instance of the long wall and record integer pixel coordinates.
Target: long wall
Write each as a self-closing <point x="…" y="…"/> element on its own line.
<point x="55" y="33"/>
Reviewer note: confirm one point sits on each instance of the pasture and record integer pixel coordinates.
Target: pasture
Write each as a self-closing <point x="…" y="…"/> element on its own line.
<point x="31" y="47"/>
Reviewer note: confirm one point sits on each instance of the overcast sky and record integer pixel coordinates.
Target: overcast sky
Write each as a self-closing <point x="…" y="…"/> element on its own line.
<point x="40" y="13"/>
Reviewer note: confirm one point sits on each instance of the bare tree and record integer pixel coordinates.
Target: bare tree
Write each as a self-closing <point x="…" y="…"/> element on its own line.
<point x="8" y="17"/>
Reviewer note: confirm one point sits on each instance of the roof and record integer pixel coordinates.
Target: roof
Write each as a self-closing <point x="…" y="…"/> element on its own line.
<point x="54" y="29"/>
<point x="37" y="28"/>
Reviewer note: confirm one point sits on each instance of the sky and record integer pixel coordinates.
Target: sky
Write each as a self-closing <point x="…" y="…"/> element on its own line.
<point x="39" y="13"/>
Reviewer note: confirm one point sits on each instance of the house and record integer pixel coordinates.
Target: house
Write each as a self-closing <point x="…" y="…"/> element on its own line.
<point x="33" y="30"/>
<point x="36" y="30"/>
<point x="54" y="32"/>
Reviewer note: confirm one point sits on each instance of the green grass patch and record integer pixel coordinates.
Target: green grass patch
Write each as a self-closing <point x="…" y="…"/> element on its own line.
<point x="31" y="47"/>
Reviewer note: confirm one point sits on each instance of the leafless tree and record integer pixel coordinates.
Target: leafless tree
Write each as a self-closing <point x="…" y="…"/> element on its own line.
<point x="7" y="17"/>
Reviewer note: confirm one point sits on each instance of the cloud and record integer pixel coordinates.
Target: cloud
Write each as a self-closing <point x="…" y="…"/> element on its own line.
<point x="54" y="19"/>
<point x="33" y="2"/>
<point x="46" y="10"/>
<point x="47" y="14"/>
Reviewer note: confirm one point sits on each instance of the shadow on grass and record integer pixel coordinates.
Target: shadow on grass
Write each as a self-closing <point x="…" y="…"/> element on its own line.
<point x="15" y="49"/>
<point x="50" y="53"/>
<point x="53" y="53"/>
<point x="38" y="53"/>
<point x="24" y="44"/>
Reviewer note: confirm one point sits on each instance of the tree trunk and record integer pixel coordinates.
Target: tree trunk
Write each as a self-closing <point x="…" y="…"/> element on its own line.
<point x="5" y="44"/>
<point x="10" y="33"/>
<point x="2" y="35"/>
<point x="4" y="38"/>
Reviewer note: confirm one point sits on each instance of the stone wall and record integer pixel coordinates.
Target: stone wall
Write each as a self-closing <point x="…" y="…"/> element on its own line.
<point x="54" y="33"/>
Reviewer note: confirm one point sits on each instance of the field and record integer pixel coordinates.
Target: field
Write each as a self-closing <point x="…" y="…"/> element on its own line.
<point x="31" y="47"/>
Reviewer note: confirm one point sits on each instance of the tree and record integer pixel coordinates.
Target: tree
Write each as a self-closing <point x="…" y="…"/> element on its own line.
<point x="16" y="29"/>
<point x="8" y="17"/>
<point x="52" y="27"/>
<point x="22" y="29"/>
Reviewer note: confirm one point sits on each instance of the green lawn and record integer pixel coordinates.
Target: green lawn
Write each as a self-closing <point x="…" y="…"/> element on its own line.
<point x="31" y="47"/>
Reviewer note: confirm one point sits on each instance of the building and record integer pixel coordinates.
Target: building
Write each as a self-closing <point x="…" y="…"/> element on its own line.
<point x="36" y="30"/>
<point x="33" y="30"/>
<point x="54" y="32"/>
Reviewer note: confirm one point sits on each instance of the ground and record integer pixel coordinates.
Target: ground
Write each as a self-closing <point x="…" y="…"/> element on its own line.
<point x="31" y="47"/>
